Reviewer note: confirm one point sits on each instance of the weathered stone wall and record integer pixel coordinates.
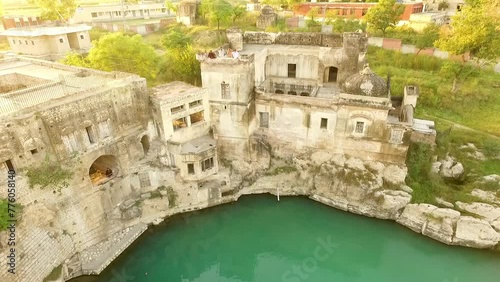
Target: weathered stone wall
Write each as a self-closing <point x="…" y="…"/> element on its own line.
<point x="293" y="38"/>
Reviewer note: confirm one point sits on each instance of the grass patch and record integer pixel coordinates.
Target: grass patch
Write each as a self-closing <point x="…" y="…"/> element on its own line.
<point x="6" y="211"/>
<point x="354" y="177"/>
<point x="56" y="272"/>
<point x="476" y="104"/>
<point x="48" y="174"/>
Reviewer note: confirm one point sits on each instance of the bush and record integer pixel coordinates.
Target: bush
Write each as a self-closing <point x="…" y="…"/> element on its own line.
<point x="172" y="196"/>
<point x="4" y="214"/>
<point x="48" y="174"/>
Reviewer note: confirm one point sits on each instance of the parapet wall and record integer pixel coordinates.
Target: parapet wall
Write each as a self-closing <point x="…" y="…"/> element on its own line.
<point x="294" y="38"/>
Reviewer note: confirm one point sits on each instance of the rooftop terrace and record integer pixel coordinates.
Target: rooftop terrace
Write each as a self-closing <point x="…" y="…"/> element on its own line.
<point x="26" y="83"/>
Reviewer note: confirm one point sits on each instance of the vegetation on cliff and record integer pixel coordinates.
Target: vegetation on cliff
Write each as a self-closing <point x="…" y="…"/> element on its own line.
<point x="48" y="174"/>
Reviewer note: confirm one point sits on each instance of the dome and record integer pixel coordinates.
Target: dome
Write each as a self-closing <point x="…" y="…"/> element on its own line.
<point x="365" y="83"/>
<point x="267" y="10"/>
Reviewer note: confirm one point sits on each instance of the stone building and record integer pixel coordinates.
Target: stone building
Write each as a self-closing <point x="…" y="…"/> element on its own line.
<point x="127" y="146"/>
<point x="267" y="17"/>
<point x="311" y="91"/>
<point x="186" y="12"/>
<point x="49" y="42"/>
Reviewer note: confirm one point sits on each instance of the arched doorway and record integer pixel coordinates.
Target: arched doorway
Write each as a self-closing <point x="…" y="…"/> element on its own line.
<point x="145" y="144"/>
<point x="104" y="169"/>
<point x="331" y="74"/>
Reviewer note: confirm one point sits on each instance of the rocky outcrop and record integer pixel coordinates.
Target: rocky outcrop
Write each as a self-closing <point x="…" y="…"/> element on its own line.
<point x="476" y="233"/>
<point x="487" y="212"/>
<point x="448" y="226"/>
<point x="448" y="168"/>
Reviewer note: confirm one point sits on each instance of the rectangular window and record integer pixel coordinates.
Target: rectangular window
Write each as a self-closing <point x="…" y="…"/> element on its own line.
<point x="61" y="40"/>
<point x="360" y="127"/>
<point x="81" y="36"/>
<point x="190" y="168"/>
<point x="70" y="142"/>
<point x="34" y="151"/>
<point x="144" y="180"/>
<point x="195" y="104"/>
<point x="13" y="41"/>
<point x="396" y="136"/>
<point x="90" y="134"/>
<point x="26" y="42"/>
<point x="364" y="12"/>
<point x="324" y="123"/>
<point x="9" y="165"/>
<point x="179" y="123"/>
<point x="94" y="15"/>
<point x="104" y="129"/>
<point x="224" y="89"/>
<point x="207" y="164"/>
<point x="177" y="109"/>
<point x="20" y="42"/>
<point x="292" y="70"/>
<point x="32" y="42"/>
<point x="196" y="117"/>
<point x="264" y="119"/>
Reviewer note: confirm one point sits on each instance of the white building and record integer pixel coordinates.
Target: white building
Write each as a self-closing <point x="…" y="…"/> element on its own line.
<point x="49" y="42"/>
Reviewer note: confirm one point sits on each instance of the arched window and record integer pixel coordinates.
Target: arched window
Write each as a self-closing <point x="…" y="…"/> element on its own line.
<point x="278" y="91"/>
<point x="332" y="74"/>
<point x="145" y="144"/>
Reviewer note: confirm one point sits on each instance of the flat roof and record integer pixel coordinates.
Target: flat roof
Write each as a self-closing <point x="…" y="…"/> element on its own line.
<point x="174" y="89"/>
<point x="42" y="82"/>
<point x="44" y="30"/>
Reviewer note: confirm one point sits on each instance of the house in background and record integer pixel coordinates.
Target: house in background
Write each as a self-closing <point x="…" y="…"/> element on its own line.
<point x="9" y="22"/>
<point x="49" y="42"/>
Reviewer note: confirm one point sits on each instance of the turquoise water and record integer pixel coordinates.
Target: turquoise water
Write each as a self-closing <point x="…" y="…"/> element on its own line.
<point x="296" y="239"/>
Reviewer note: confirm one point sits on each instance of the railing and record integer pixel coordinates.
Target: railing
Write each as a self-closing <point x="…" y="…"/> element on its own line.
<point x="47" y="91"/>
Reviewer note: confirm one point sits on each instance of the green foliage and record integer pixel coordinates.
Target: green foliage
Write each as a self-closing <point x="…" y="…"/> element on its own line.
<point x="476" y="103"/>
<point x="427" y="38"/>
<point x="443" y="5"/>
<point x="48" y="174"/>
<point x="384" y="15"/>
<point x="171" y="6"/>
<point x="180" y="64"/>
<point x="55" y="9"/>
<point x="312" y="15"/>
<point x="238" y="12"/>
<point x="119" y="52"/>
<point x="4" y="213"/>
<point x="55" y="274"/>
<point x="474" y="30"/>
<point x="172" y="197"/>
<point x="176" y="38"/>
<point x="216" y="11"/>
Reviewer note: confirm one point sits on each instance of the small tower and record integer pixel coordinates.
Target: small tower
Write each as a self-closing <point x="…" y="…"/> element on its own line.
<point x="186" y="12"/>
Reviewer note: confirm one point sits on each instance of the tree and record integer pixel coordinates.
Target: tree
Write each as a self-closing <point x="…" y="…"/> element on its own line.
<point x="238" y="12"/>
<point x="384" y="15"/>
<point x="180" y="64"/>
<point x="171" y="6"/>
<point x="473" y="30"/>
<point x="216" y="11"/>
<point x="427" y="38"/>
<point x="118" y="52"/>
<point x="175" y="38"/>
<point x="55" y="9"/>
<point x="312" y="15"/>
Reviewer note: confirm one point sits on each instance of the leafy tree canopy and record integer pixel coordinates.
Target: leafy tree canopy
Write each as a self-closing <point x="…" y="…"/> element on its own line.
<point x="384" y="15"/>
<point x="175" y="38"/>
<point x="216" y="11"/>
<point x="475" y="29"/>
<point x="55" y="9"/>
<point x="118" y="52"/>
<point x="427" y="38"/>
<point x="180" y="64"/>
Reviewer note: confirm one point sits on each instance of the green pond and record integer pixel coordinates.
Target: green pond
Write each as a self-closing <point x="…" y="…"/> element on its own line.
<point x="259" y="239"/>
